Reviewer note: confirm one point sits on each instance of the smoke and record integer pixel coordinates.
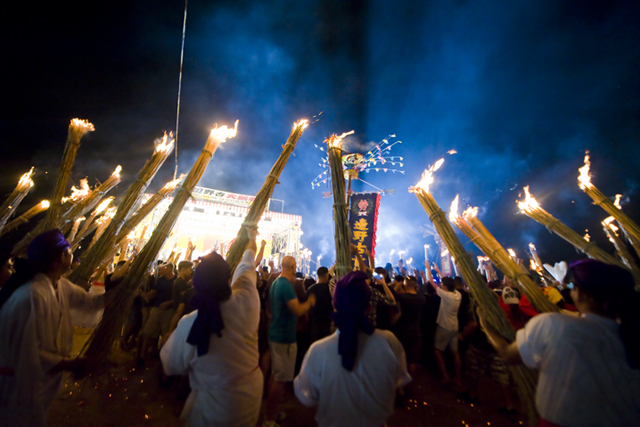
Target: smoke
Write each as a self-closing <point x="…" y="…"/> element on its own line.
<point x="519" y="90"/>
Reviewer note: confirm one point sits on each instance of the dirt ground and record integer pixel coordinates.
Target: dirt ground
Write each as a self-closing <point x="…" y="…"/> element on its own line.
<point x="128" y="397"/>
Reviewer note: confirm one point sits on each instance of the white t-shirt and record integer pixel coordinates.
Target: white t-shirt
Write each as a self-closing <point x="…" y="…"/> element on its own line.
<point x="585" y="379"/>
<point x="363" y="397"/>
<point x="448" y="313"/>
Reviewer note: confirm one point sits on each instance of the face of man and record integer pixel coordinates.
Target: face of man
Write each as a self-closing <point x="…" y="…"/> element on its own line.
<point x="186" y="273"/>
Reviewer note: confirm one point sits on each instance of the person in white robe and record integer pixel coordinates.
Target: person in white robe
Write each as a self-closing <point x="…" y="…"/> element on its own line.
<point x="36" y="332"/>
<point x="217" y="345"/>
<point x="352" y="375"/>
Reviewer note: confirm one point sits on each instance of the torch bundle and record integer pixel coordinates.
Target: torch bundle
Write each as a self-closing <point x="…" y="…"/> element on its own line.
<point x="106" y="239"/>
<point x="234" y="255"/>
<point x="525" y="378"/>
<point x="99" y="344"/>
<point x="340" y="217"/>
<point x="77" y="129"/>
<point x="9" y="206"/>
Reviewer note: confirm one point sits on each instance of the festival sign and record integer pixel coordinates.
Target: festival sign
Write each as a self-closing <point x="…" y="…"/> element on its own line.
<point x="363" y="222"/>
<point x="224" y="197"/>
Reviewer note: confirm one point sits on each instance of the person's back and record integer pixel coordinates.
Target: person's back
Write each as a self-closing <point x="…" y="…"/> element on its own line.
<point x="283" y="322"/>
<point x="585" y="379"/>
<point x="320" y="314"/>
<point x="353" y="374"/>
<point x="363" y="397"/>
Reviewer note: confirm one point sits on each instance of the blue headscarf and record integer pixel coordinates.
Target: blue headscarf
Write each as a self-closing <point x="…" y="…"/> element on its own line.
<point x="211" y="283"/>
<point x="351" y="300"/>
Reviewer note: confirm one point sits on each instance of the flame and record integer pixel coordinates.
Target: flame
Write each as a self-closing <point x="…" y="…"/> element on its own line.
<point x="131" y="235"/>
<point x="444" y="252"/>
<point x="529" y="203"/>
<point x="584" y="180"/>
<point x="452" y="151"/>
<point x="335" y="141"/>
<point x="532" y="247"/>
<point x="25" y="180"/>
<point x="453" y="210"/>
<point x="427" y="177"/>
<point x="44" y="204"/>
<point x="116" y="172"/>
<point x="512" y="253"/>
<point x="426" y="246"/>
<point x="78" y="220"/>
<point x="78" y="193"/>
<point x="221" y="134"/>
<point x="586" y="236"/>
<point x="173" y="184"/>
<point x="109" y="214"/>
<point x="533" y="265"/>
<point x="302" y="123"/>
<point x="470" y="212"/>
<point x="164" y="144"/>
<point x="82" y="125"/>
<point x="409" y="261"/>
<point x="616" y="203"/>
<point x="608" y="222"/>
<point x="103" y="205"/>
<point x="400" y="253"/>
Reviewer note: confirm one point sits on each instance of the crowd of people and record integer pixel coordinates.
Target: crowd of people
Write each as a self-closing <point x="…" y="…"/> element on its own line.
<point x="235" y="340"/>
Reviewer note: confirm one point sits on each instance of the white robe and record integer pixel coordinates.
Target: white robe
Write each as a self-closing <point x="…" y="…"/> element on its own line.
<point x="226" y="382"/>
<point x="363" y="397"/>
<point x="35" y="335"/>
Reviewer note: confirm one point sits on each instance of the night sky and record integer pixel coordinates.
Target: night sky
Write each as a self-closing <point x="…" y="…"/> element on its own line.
<point x="519" y="89"/>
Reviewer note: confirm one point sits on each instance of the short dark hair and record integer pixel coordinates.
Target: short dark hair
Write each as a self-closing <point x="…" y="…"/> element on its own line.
<point x="399" y="278"/>
<point x="120" y="263"/>
<point x="185" y="264"/>
<point x="449" y="283"/>
<point x="322" y="271"/>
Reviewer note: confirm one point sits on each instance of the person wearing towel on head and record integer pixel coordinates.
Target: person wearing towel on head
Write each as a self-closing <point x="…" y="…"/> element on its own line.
<point x="352" y="375"/>
<point x="36" y="332"/>
<point x="217" y="344"/>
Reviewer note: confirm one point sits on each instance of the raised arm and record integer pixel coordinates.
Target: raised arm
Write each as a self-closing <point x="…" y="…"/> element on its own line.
<point x="260" y="254"/>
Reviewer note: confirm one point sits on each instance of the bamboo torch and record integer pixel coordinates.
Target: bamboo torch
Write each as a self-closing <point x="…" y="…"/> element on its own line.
<point x="136" y="218"/>
<point x="103" y="223"/>
<point x="635" y="243"/>
<point x="504" y="260"/>
<point x="99" y="344"/>
<point x="74" y="230"/>
<point x="77" y="129"/>
<point x="585" y="184"/>
<point x="494" y="315"/>
<point x="11" y="204"/>
<point x="106" y="239"/>
<point x="101" y="208"/>
<point x="341" y="221"/>
<point x="234" y="255"/>
<point x="611" y="230"/>
<point x="75" y="211"/>
<point x="533" y="210"/>
<point x="25" y="217"/>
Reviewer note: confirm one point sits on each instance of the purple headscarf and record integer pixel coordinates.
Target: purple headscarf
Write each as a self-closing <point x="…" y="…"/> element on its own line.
<point x="47" y="247"/>
<point x="351" y="300"/>
<point x="44" y="249"/>
<point x="600" y="280"/>
<point x="211" y="282"/>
